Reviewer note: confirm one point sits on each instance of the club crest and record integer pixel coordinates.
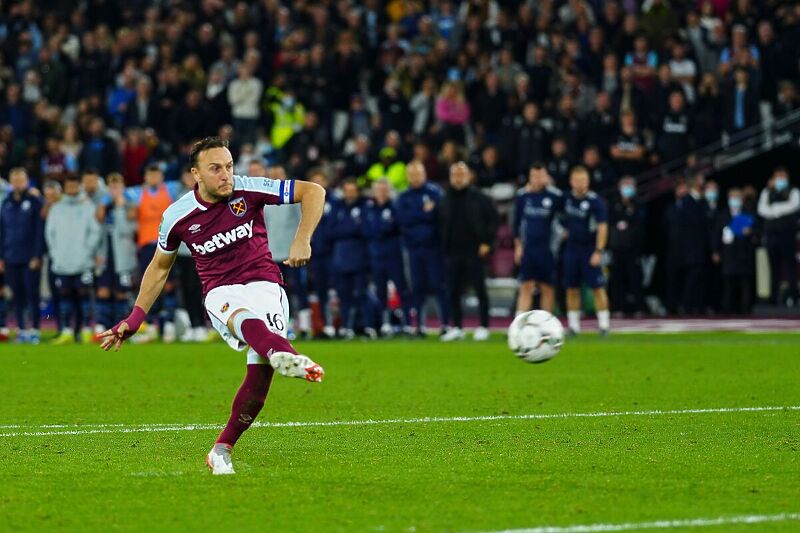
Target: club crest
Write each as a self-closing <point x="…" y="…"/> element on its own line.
<point x="238" y="206"/>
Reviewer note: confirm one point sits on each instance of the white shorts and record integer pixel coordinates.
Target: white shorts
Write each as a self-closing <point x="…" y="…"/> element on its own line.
<point x="265" y="299"/>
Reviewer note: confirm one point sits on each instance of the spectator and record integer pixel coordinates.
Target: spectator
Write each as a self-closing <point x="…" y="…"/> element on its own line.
<point x="244" y="95"/>
<point x="683" y="70"/>
<point x="734" y="248"/>
<point x="601" y="175"/>
<point x="388" y="167"/>
<point x="21" y="252"/>
<point x="394" y="111"/>
<point x="359" y="161"/>
<point x="490" y="170"/>
<point x="740" y="103"/>
<point x="779" y="206"/>
<point x="55" y="162"/>
<point x="452" y="112"/>
<point x="469" y="224"/>
<point x="72" y="234"/>
<point x="531" y="139"/>
<point x="708" y="123"/>
<point x="308" y="147"/>
<point x="601" y="124"/>
<point x="787" y="99"/>
<point x="142" y="110"/>
<point x="643" y="63"/>
<point x="287" y="115"/>
<point x="626" y="234"/>
<point x="628" y="150"/>
<point x="15" y="112"/>
<point x="100" y="152"/>
<point x="490" y="108"/>
<point x="675" y="135"/>
<point x="135" y="154"/>
<point x="559" y="164"/>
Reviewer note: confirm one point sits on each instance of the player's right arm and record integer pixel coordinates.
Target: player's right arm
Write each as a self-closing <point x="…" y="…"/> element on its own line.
<point x="155" y="276"/>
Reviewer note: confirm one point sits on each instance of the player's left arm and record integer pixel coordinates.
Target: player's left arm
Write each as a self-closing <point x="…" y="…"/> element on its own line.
<point x="311" y="198"/>
<point x="602" y="234"/>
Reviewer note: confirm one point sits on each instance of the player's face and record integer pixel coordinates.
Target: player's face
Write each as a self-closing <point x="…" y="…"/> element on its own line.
<point x="579" y="181"/>
<point x="538" y="178"/>
<point x="416" y="175"/>
<point x="19" y="182"/>
<point x="381" y="192"/>
<point x="214" y="172"/>
<point x="459" y="177"/>
<point x="350" y="192"/>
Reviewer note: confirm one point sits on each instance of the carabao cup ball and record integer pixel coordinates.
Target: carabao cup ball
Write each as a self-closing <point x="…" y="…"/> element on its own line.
<point x="536" y="336"/>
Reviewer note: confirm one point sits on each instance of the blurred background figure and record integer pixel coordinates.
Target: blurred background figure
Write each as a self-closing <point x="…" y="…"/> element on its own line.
<point x="734" y="249"/>
<point x="626" y="232"/>
<point x="779" y="206"/>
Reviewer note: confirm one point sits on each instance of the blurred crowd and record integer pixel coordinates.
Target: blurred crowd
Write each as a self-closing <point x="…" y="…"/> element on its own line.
<point x="357" y="91"/>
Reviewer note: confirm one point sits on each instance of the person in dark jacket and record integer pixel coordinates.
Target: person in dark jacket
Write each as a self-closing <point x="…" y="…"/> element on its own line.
<point x="350" y="265"/>
<point x="321" y="260"/>
<point x="779" y="206"/>
<point x="688" y="247"/>
<point x="386" y="253"/>
<point x="21" y="241"/>
<point x="740" y="103"/>
<point x="99" y="151"/>
<point x="418" y="214"/>
<point x="626" y="228"/>
<point x="469" y="223"/>
<point x="734" y="248"/>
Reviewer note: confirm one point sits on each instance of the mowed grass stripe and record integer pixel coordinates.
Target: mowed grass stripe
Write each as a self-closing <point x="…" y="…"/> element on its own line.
<point x="661" y="524"/>
<point x="153" y="428"/>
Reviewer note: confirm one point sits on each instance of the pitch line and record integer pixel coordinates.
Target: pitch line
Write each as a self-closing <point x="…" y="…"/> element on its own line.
<point x="662" y="524"/>
<point x="94" y="429"/>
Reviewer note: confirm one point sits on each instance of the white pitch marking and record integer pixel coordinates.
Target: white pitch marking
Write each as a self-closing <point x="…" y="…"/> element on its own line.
<point x="661" y="524"/>
<point x="152" y="428"/>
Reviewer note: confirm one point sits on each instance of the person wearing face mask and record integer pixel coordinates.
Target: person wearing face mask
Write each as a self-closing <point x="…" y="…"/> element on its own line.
<point x="711" y="194"/>
<point x="779" y="206"/>
<point x="716" y="213"/>
<point x="626" y="227"/>
<point x="734" y="248"/>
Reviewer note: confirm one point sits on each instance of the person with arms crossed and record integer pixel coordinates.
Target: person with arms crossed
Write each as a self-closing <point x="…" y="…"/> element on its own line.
<point x="586" y="219"/>
<point x="222" y="223"/>
<point x="535" y="210"/>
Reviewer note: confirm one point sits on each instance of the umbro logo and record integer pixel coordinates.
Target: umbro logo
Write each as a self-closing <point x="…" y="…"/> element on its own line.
<point x="194" y="228"/>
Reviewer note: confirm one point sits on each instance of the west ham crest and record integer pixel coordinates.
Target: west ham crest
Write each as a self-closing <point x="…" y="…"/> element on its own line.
<point x="238" y="206"/>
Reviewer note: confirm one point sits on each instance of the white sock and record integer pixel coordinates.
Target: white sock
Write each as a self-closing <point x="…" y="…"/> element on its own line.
<point x="304" y="320"/>
<point x="604" y="319"/>
<point x="574" y="320"/>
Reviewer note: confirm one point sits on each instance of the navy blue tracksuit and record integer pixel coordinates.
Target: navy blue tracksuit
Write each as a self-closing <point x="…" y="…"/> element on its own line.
<point x="421" y="236"/>
<point x="22" y="239"/>
<point x="581" y="217"/>
<point x="386" y="255"/>
<point x="349" y="261"/>
<point x="321" y="257"/>
<point x="534" y="213"/>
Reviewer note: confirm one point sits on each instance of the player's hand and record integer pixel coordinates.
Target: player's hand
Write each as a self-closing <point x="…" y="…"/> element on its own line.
<point x="2" y="266"/>
<point x="484" y="250"/>
<point x="517" y="255"/>
<point x="35" y="263"/>
<point x="428" y="206"/>
<point x="299" y="254"/>
<point x="110" y="338"/>
<point x="596" y="259"/>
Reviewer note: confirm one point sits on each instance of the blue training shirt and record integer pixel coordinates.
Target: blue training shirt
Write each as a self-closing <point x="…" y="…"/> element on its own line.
<point x="582" y="215"/>
<point x="534" y="213"/>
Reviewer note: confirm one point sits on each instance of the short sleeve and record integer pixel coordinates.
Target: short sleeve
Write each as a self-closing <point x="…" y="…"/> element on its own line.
<point x="266" y="190"/>
<point x="168" y="241"/>
<point x="600" y="211"/>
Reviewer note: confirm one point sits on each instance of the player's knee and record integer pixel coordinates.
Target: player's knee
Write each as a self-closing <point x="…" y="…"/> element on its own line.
<point x="237" y="318"/>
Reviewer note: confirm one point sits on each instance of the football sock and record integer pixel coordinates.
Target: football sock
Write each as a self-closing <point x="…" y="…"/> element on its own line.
<point x="65" y="311"/>
<point x="170" y="304"/>
<point x="252" y="330"/>
<point x="104" y="315"/>
<point x="574" y="320"/>
<point x="304" y="320"/>
<point x="604" y="319"/>
<point x="247" y="403"/>
<point x="86" y="310"/>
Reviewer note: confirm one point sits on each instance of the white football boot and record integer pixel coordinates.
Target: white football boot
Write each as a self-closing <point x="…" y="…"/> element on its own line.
<point x="219" y="460"/>
<point x="452" y="334"/>
<point x="296" y="366"/>
<point x="480" y="334"/>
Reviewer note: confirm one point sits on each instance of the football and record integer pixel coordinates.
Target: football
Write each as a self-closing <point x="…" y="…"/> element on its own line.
<point x="536" y="336"/>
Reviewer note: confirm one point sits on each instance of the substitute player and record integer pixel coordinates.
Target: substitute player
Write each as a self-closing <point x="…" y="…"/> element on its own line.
<point x="586" y="218"/>
<point x="535" y="210"/>
<point x="221" y="223"/>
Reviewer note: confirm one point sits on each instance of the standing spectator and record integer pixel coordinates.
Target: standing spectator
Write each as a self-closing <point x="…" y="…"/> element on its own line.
<point x="72" y="234"/>
<point x="15" y="112"/>
<point x="117" y="252"/>
<point x="150" y="200"/>
<point x="535" y="210"/>
<point x="628" y="150"/>
<point x="779" y="206"/>
<point x="688" y="248"/>
<point x="735" y="249"/>
<point x="675" y="135"/>
<point x="469" y="224"/>
<point x="586" y="220"/>
<point x="626" y="232"/>
<point x="530" y="140"/>
<point x="490" y="170"/>
<point x="134" y="156"/>
<point x="100" y="151"/>
<point x="394" y="111"/>
<point x="142" y="111"/>
<point x="740" y="103"/>
<point x="386" y="253"/>
<point x="418" y="214"/>
<point x="55" y="162"/>
<point x="281" y="222"/>
<point x="708" y="111"/>
<point x="452" y="112"/>
<point x="559" y="164"/>
<point x="21" y="251"/>
<point x="350" y="261"/>
<point x="643" y="63"/>
<point x="490" y="108"/>
<point x="601" y="175"/>
<point x="683" y="70"/>
<point x="244" y="96"/>
<point x="601" y="124"/>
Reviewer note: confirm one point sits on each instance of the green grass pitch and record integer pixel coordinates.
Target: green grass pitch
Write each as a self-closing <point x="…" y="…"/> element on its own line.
<point x="473" y="474"/>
